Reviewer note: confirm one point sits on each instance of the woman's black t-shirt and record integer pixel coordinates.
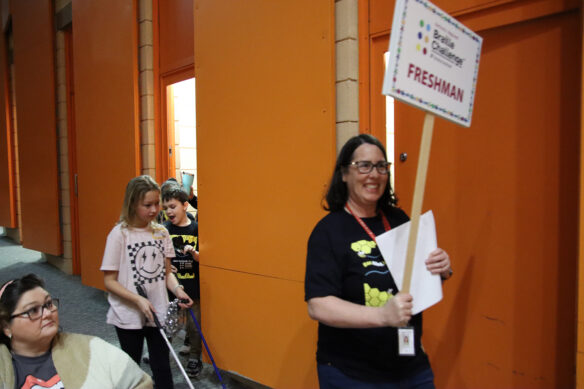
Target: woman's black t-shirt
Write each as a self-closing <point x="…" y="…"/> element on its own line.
<point x="343" y="261"/>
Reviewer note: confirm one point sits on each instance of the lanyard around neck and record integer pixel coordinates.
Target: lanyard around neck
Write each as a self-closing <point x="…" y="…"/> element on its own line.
<point x="362" y="223"/>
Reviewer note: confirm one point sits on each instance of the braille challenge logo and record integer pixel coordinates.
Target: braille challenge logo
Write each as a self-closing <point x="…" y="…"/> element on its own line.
<point x="423" y="37"/>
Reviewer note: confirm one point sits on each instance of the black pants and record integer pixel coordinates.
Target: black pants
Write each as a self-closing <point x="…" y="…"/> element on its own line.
<point x="132" y="342"/>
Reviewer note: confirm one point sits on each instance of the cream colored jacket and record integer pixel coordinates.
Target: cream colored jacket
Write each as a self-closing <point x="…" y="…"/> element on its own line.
<point x="85" y="362"/>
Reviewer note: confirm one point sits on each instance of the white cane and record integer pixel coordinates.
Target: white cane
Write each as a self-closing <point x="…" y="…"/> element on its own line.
<point x="182" y="370"/>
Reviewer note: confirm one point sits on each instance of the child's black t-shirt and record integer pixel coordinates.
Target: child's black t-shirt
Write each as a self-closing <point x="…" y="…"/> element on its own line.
<point x="188" y="268"/>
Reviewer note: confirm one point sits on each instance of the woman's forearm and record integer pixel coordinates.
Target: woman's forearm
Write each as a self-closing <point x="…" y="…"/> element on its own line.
<point x="336" y="312"/>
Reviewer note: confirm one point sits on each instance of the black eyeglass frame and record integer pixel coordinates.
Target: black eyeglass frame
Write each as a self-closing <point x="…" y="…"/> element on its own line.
<point x="383" y="165"/>
<point x="54" y="302"/>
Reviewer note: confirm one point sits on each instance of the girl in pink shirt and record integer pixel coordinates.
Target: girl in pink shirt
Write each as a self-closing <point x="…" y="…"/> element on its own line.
<point x="138" y="252"/>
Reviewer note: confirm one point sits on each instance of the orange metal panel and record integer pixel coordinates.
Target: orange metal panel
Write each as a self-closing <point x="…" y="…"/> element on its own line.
<point x="265" y="130"/>
<point x="510" y="217"/>
<point x="476" y="14"/>
<point x="7" y="184"/>
<point x="504" y="193"/>
<point x="258" y="327"/>
<point x="176" y="34"/>
<point x="485" y="17"/>
<point x="266" y="147"/>
<point x="580" y="328"/>
<point x="107" y="122"/>
<point x="36" y="129"/>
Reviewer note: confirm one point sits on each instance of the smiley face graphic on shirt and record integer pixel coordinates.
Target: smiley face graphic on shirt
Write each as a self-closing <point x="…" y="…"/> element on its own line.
<point x="147" y="260"/>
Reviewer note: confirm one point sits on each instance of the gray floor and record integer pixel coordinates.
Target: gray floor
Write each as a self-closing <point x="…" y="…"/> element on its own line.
<point x="83" y="309"/>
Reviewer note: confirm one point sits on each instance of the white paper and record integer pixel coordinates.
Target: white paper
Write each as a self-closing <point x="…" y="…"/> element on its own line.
<point x="426" y="288"/>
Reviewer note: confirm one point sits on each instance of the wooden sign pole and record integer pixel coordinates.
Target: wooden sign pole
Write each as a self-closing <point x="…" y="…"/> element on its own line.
<point x="425" y="146"/>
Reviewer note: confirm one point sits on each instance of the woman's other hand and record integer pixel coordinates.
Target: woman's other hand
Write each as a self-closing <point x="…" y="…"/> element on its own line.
<point x="438" y="262"/>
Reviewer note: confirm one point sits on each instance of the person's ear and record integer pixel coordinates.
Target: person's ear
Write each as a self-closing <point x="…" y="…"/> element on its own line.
<point x="7" y="332"/>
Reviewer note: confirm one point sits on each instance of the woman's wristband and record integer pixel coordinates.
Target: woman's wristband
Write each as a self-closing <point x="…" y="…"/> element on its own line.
<point x="176" y="287"/>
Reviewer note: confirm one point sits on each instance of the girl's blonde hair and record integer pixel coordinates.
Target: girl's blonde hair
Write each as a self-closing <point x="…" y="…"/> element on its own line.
<point x="135" y="192"/>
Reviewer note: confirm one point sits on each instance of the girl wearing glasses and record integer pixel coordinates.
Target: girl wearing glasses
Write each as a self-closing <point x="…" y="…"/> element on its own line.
<point x="33" y="353"/>
<point x="350" y="290"/>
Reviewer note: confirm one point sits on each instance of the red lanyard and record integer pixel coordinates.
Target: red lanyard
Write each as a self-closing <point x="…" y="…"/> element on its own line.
<point x="367" y="229"/>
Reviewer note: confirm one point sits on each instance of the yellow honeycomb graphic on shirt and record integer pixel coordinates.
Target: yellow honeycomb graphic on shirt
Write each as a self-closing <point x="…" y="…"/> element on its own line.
<point x="375" y="298"/>
<point x="363" y="247"/>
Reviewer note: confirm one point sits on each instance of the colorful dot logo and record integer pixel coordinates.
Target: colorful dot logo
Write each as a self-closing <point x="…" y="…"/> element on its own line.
<point x="423" y="37"/>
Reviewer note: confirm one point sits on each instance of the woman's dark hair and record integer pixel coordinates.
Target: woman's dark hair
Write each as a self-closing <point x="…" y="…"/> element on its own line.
<point x="11" y="296"/>
<point x="338" y="194"/>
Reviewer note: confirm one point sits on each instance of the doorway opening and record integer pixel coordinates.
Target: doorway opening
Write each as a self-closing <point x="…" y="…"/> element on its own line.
<point x="389" y="127"/>
<point x="181" y="130"/>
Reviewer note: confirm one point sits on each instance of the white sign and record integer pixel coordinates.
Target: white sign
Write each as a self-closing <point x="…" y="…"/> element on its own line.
<point x="433" y="61"/>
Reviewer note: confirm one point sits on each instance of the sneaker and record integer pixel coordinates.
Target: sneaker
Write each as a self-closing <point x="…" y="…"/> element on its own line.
<point x="194" y="367"/>
<point x="185" y="349"/>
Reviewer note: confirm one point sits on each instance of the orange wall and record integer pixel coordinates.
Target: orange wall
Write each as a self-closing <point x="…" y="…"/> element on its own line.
<point x="580" y="346"/>
<point x="265" y="139"/>
<point x="175" y="34"/>
<point x="7" y="184"/>
<point x="36" y="128"/>
<point x="107" y="121"/>
<point x="504" y="194"/>
<point x="5" y="10"/>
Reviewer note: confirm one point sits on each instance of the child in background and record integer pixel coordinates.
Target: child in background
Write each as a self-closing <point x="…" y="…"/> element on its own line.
<point x="138" y="252"/>
<point x="184" y="234"/>
<point x="192" y="199"/>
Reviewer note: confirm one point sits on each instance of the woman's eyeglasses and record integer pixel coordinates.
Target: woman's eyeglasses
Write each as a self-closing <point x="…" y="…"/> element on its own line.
<point x="365" y="167"/>
<point x="36" y="312"/>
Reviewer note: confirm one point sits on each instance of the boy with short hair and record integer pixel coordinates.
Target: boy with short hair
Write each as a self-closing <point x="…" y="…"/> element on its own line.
<point x="184" y="235"/>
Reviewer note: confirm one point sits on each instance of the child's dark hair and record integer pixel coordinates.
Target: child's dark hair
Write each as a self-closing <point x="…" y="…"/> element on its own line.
<point x="175" y="192"/>
<point x="11" y="294"/>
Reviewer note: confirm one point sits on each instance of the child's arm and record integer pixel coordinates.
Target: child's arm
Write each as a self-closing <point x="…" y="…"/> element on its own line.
<point x="112" y="285"/>
<point x="175" y="287"/>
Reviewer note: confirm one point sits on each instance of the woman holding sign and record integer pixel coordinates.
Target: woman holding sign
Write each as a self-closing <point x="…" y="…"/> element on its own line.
<point x="350" y="290"/>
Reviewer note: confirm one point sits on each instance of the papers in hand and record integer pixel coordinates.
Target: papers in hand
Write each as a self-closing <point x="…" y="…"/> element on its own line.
<point x="426" y="289"/>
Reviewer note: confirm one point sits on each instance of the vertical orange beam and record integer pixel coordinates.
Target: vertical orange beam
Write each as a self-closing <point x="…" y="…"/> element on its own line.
<point x="580" y="327"/>
<point x="7" y="184"/>
<point x="105" y="44"/>
<point x="37" y="135"/>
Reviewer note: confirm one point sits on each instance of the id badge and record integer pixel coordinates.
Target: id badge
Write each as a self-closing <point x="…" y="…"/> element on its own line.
<point x="405" y="341"/>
